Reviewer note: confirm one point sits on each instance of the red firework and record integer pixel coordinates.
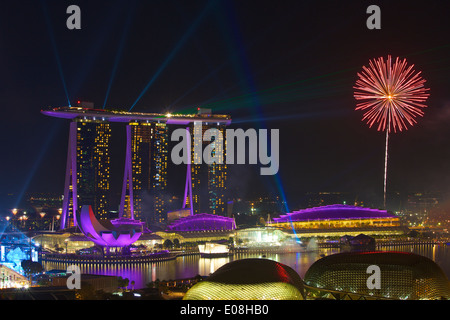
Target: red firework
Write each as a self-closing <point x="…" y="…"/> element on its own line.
<point x="393" y="94"/>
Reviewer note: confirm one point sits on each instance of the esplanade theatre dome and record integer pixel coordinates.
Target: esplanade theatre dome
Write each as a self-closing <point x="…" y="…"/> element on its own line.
<point x="403" y="275"/>
<point x="250" y="279"/>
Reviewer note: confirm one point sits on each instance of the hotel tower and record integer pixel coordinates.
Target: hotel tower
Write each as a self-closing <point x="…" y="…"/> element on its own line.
<point x="208" y="180"/>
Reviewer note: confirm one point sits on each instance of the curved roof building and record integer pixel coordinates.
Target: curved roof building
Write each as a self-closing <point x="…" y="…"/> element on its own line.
<point x="334" y="212"/>
<point x="203" y="222"/>
<point x="250" y="279"/>
<point x="402" y="276"/>
<point x="334" y="220"/>
<point x="120" y="232"/>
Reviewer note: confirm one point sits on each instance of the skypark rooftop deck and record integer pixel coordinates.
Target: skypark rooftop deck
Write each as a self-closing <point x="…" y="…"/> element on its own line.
<point x="125" y="116"/>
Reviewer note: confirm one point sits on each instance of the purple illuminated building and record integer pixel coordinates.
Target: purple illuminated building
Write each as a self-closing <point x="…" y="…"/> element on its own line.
<point x="121" y="232"/>
<point x="72" y="190"/>
<point x="333" y="212"/>
<point x="338" y="219"/>
<point x="125" y="230"/>
<point x="203" y="222"/>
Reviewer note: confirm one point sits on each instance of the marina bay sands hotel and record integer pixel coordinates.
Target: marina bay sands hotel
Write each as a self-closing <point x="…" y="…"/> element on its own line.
<point x="88" y="170"/>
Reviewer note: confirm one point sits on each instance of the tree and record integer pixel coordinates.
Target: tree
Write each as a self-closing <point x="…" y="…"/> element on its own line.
<point x="123" y="283"/>
<point x="413" y="234"/>
<point x="168" y="244"/>
<point x="31" y="267"/>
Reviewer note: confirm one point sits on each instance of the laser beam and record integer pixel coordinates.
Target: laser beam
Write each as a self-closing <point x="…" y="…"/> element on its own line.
<point x="55" y="49"/>
<point x="37" y="162"/>
<point x="174" y="51"/>
<point x="119" y="53"/>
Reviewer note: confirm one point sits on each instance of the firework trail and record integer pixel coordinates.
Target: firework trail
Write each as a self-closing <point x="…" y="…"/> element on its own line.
<point x="392" y="96"/>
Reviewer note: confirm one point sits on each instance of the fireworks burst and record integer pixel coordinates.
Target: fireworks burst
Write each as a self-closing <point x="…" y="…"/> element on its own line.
<point x="393" y="94"/>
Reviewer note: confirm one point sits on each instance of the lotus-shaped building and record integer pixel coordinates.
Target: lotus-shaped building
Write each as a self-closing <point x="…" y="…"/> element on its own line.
<point x="121" y="232"/>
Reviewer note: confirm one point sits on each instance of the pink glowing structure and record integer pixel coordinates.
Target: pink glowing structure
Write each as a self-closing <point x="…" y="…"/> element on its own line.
<point x="121" y="232"/>
<point x="392" y="96"/>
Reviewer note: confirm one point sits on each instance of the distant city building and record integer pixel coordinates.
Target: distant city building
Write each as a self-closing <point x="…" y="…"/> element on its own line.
<point x="324" y="198"/>
<point x="262" y="206"/>
<point x="45" y="200"/>
<point x="422" y="201"/>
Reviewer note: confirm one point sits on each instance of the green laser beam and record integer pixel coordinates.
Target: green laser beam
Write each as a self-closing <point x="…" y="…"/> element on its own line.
<point x="283" y="89"/>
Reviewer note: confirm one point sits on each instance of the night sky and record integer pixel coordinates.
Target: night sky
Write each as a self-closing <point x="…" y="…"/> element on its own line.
<point x="287" y="65"/>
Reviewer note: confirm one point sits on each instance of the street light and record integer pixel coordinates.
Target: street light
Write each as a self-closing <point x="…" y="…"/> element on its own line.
<point x="53" y="221"/>
<point x="66" y="241"/>
<point x="14" y="212"/>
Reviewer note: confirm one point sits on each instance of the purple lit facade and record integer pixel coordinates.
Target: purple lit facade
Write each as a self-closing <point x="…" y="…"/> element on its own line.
<point x="203" y="222"/>
<point x="188" y="187"/>
<point x="333" y="212"/>
<point x="70" y="202"/>
<point x="121" y="232"/>
<point x="127" y="179"/>
<point x="70" y="185"/>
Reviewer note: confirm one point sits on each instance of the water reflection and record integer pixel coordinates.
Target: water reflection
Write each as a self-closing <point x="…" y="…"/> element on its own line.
<point x="190" y="266"/>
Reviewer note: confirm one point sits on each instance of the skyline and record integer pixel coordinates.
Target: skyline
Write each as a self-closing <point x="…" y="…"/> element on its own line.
<point x="266" y="68"/>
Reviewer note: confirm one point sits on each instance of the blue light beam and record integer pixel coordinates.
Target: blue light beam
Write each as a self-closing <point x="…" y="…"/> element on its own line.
<point x="37" y="162"/>
<point x="119" y="53"/>
<point x="55" y="49"/>
<point x="174" y="51"/>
